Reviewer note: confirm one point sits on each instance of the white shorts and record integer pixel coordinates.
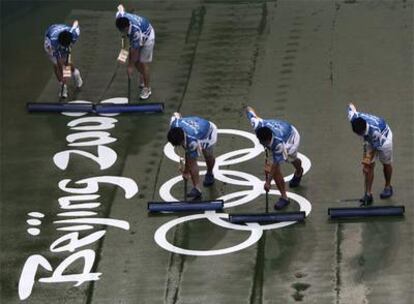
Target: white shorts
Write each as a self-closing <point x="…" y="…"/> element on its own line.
<point x="210" y="141"/>
<point x="146" y="50"/>
<point x="384" y="154"/>
<point x="292" y="145"/>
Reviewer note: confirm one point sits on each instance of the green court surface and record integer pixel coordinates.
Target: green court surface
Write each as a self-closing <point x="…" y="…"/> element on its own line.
<point x="74" y="221"/>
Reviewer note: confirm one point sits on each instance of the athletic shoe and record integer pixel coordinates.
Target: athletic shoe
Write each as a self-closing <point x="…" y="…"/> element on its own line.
<point x="194" y="193"/>
<point x="295" y="181"/>
<point x="145" y="93"/>
<point x="63" y="92"/>
<point x="208" y="180"/>
<point x="367" y="199"/>
<point x="77" y="78"/>
<point x="387" y="192"/>
<point x="281" y="203"/>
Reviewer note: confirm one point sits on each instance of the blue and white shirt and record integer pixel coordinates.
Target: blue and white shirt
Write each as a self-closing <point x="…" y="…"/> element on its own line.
<point x="52" y="39"/>
<point x="196" y="129"/>
<point x="139" y="29"/>
<point x="281" y="131"/>
<point x="377" y="129"/>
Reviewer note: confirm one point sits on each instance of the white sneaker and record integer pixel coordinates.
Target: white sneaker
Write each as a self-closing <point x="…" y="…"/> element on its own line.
<point x="145" y="93"/>
<point x="63" y="92"/>
<point x="77" y="78"/>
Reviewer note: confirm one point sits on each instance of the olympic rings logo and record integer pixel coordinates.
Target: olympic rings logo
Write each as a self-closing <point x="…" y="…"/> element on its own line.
<point x="230" y="200"/>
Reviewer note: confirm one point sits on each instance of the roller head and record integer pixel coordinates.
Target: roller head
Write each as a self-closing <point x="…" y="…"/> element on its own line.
<point x="59" y="107"/>
<point x="267" y="217"/>
<point x="366" y="211"/>
<point x="185" y="206"/>
<point x="129" y="108"/>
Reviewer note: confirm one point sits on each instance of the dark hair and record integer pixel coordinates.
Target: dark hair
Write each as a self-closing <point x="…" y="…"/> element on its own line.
<point x="65" y="38"/>
<point x="264" y="134"/>
<point x="359" y="125"/>
<point x="121" y="23"/>
<point x="175" y="136"/>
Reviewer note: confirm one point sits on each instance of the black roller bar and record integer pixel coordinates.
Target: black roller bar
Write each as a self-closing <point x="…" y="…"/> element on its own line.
<point x="353" y="212"/>
<point x="185" y="206"/>
<point x="95" y="108"/>
<point x="129" y="108"/>
<point x="59" y="107"/>
<point x="267" y="217"/>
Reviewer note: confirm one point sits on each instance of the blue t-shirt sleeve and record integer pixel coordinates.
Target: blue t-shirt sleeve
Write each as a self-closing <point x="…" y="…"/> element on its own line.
<point x="375" y="138"/>
<point x="192" y="154"/>
<point x="75" y="32"/>
<point x="277" y="158"/>
<point x="48" y="46"/>
<point x="192" y="148"/>
<point x="278" y="153"/>
<point x="352" y="114"/>
<point x="253" y="119"/>
<point x="134" y="39"/>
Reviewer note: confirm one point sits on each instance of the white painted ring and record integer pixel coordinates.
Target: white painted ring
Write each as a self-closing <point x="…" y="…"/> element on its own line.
<point x="160" y="238"/>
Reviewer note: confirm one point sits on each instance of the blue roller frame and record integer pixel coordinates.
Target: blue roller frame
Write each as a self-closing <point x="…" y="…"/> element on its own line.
<point x="95" y="108"/>
<point x="129" y="108"/>
<point x="366" y="211"/>
<point x="59" y="107"/>
<point x="267" y="217"/>
<point x="185" y="206"/>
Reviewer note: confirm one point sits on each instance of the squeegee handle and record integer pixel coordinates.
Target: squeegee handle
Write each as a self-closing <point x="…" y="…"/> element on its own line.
<point x="68" y="57"/>
<point x="129" y="89"/>
<point x="185" y="189"/>
<point x="267" y="201"/>
<point x="266" y="177"/>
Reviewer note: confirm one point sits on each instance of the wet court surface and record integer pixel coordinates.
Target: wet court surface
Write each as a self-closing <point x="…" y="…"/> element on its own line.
<point x="301" y="61"/>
